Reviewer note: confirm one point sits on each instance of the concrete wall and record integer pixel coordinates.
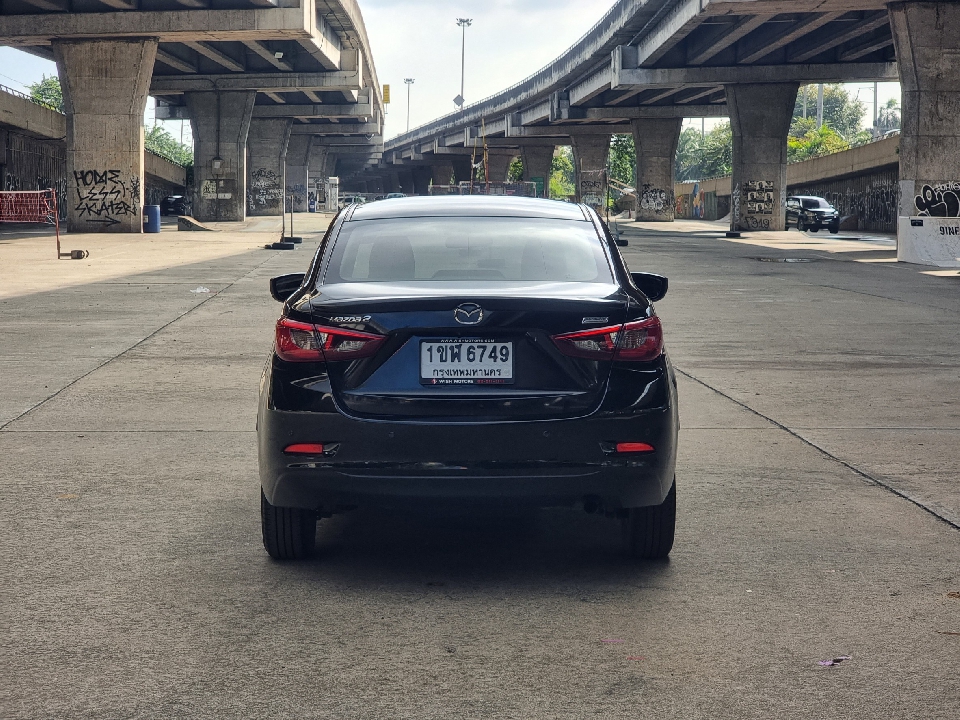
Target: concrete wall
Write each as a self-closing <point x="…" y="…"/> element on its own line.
<point x="862" y="183"/>
<point x="33" y="119"/>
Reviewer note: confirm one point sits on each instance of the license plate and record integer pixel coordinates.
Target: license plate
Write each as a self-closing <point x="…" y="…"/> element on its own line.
<point x="466" y="362"/>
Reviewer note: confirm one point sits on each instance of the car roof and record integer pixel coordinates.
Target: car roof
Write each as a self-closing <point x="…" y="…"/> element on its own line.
<point x="469" y="206"/>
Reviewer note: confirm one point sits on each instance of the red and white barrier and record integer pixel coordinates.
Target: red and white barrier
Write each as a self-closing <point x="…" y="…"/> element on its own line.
<point x="31" y="206"/>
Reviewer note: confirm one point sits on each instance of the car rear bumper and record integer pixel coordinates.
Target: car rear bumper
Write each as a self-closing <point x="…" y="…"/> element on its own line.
<point x="559" y="462"/>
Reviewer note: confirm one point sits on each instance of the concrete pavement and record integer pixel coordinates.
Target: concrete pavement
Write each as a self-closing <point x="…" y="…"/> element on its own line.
<point x="135" y="584"/>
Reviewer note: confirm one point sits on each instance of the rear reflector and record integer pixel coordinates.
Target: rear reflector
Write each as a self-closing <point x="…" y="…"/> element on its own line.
<point x="304" y="449"/>
<point x="634" y="447"/>
<point x="636" y="341"/>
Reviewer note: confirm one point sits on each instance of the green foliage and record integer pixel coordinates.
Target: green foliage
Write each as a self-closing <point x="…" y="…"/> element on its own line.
<point x="841" y="112"/>
<point x="623" y="159"/>
<point x="807" y="141"/>
<point x="48" y="92"/>
<point x="701" y="157"/>
<point x="515" y="173"/>
<point x="561" y="173"/>
<point x="160" y="142"/>
<point x="888" y="117"/>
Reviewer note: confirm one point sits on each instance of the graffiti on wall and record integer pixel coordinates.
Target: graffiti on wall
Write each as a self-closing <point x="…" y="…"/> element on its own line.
<point x="593" y="187"/>
<point x="296" y="197"/>
<point x="653" y="199"/>
<point x="942" y="200"/>
<point x="735" y="202"/>
<point x="265" y="191"/>
<point x="680" y="205"/>
<point x="105" y="196"/>
<point x="696" y="202"/>
<point x="869" y="202"/>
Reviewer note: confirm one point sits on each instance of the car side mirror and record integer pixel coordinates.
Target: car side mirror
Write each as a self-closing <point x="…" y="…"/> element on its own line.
<point x="284" y="286"/>
<point x="653" y="286"/>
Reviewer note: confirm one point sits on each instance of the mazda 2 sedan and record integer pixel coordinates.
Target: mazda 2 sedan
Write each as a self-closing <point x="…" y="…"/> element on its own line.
<point x="471" y="350"/>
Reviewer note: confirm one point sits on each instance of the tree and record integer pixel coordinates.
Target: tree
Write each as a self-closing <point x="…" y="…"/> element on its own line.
<point x="561" y="173"/>
<point x="622" y="160"/>
<point x="160" y="142"/>
<point x="841" y="112"/>
<point x="807" y="141"/>
<point x="888" y="117"/>
<point x="515" y="173"/>
<point x="47" y="92"/>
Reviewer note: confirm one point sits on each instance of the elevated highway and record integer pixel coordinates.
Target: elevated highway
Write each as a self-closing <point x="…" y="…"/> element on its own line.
<point x="268" y="80"/>
<point x="647" y="64"/>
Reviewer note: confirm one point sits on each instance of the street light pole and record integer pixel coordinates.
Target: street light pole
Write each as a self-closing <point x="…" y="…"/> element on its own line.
<point x="464" y="23"/>
<point x="409" y="82"/>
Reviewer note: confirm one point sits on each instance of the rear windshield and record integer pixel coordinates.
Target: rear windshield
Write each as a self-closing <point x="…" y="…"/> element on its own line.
<point x="811" y="203"/>
<point x="468" y="248"/>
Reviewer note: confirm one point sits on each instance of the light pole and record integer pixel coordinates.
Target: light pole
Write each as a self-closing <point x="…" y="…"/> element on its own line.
<point x="464" y="23"/>
<point x="409" y="82"/>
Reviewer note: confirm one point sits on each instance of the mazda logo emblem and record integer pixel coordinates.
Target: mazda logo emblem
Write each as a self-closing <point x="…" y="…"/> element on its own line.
<point x="468" y="314"/>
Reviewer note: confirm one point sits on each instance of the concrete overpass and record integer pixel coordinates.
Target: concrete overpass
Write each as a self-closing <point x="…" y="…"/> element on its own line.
<point x="245" y="72"/>
<point x="649" y="63"/>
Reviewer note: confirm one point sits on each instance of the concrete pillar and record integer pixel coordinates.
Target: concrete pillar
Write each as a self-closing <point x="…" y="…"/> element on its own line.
<point x="220" y="123"/>
<point x="105" y="84"/>
<point x="928" y="48"/>
<point x="421" y="179"/>
<point x="499" y="166"/>
<point x="266" y="161"/>
<point x="392" y="182"/>
<point x="298" y="172"/>
<point x="590" y="154"/>
<point x="405" y="178"/>
<point x="537" y="161"/>
<point x="441" y="174"/>
<point x="462" y="167"/>
<point x="760" y="116"/>
<point x="656" y="144"/>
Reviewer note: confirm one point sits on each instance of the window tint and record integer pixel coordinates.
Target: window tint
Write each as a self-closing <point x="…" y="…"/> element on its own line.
<point x="811" y="203"/>
<point x="468" y="248"/>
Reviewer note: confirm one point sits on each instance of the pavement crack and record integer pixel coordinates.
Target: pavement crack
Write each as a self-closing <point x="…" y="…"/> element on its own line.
<point x="137" y="344"/>
<point x="827" y="454"/>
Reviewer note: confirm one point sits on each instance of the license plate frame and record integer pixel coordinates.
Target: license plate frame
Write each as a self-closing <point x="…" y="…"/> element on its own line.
<point x="475" y="368"/>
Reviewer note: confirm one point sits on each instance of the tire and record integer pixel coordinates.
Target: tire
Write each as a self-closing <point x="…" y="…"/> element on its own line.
<point x="801" y="225"/>
<point x="650" y="530"/>
<point x="834" y="229"/>
<point x="288" y="533"/>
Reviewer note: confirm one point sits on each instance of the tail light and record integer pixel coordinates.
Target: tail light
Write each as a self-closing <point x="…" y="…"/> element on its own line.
<point x="636" y="341"/>
<point x="305" y="342"/>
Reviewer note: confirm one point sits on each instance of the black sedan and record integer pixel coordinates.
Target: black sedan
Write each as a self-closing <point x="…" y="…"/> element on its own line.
<point x="468" y="349"/>
<point x="812" y="213"/>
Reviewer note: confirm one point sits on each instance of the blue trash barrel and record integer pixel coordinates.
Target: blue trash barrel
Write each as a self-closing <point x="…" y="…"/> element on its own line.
<point x="151" y="218"/>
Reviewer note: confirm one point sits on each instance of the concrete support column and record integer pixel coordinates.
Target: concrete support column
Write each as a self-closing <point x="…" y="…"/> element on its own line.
<point x="421" y="179"/>
<point x="590" y="153"/>
<point x="220" y="122"/>
<point x="656" y="144"/>
<point x="391" y="183"/>
<point x="760" y="116"/>
<point x="267" y="143"/>
<point x="298" y="172"/>
<point x="928" y="55"/>
<point x="537" y="161"/>
<point x="441" y="174"/>
<point x="105" y="84"/>
<point x="499" y="166"/>
<point x="462" y="167"/>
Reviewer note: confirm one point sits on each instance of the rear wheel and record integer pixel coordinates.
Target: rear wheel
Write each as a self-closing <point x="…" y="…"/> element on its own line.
<point x="650" y="530"/>
<point x="801" y="225"/>
<point x="288" y="533"/>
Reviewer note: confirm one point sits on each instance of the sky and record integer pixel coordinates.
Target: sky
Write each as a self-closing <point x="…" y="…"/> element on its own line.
<point x="419" y="39"/>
